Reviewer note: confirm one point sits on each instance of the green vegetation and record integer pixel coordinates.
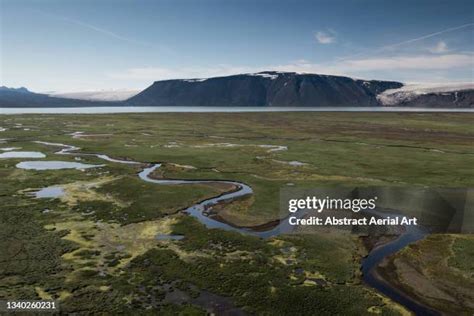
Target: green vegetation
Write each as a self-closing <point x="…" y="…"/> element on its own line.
<point x="152" y="203"/>
<point x="251" y="271"/>
<point x="94" y="249"/>
<point x="437" y="271"/>
<point x="463" y="252"/>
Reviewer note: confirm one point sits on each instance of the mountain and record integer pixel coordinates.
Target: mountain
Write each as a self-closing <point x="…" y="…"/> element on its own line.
<point x="263" y="89"/>
<point x="267" y="88"/>
<point x="459" y="95"/>
<point x="22" y="97"/>
<point x="21" y="89"/>
<point x="101" y="95"/>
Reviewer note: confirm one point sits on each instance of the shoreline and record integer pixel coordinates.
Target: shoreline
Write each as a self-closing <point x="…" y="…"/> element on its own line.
<point x="218" y="109"/>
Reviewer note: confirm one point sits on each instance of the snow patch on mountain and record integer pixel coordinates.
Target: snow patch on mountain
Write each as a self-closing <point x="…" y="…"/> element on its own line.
<point x="195" y="80"/>
<point x="268" y="75"/>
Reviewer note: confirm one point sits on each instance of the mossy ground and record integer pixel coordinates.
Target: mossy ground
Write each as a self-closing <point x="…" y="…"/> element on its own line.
<point x="94" y="249"/>
<point x="437" y="271"/>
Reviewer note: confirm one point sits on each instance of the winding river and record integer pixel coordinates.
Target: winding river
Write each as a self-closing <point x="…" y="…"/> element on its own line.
<point x="410" y="235"/>
<point x="369" y="264"/>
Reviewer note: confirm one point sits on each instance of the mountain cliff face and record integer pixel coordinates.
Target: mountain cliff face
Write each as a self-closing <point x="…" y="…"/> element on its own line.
<point x="264" y="89"/>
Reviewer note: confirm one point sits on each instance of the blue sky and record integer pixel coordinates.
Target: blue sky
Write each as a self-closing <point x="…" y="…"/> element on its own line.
<point x="76" y="45"/>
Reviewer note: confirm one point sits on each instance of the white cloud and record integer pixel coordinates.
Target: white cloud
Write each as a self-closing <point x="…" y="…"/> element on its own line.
<point x="446" y="61"/>
<point x="325" y="37"/>
<point x="354" y="66"/>
<point x="346" y="67"/>
<point x="440" y="48"/>
<point x="163" y="73"/>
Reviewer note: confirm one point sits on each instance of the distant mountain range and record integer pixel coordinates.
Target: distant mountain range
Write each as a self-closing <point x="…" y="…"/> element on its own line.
<point x="19" y="90"/>
<point x="102" y="95"/>
<point x="22" y="97"/>
<point x="263" y="89"/>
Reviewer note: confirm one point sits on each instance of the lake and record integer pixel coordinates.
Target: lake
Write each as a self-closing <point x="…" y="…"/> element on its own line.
<point x="198" y="109"/>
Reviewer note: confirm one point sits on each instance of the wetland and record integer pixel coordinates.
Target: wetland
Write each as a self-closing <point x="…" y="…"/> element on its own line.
<point x="170" y="211"/>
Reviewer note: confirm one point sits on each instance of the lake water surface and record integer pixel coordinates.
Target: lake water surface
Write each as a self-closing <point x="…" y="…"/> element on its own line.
<point x="54" y="165"/>
<point x="201" y="109"/>
<point x="49" y="192"/>
<point x="22" y="154"/>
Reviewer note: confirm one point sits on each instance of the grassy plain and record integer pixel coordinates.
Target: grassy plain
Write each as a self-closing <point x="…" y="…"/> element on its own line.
<point x="94" y="248"/>
<point x="438" y="271"/>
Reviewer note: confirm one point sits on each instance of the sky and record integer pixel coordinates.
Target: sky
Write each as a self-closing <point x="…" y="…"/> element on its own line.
<point x="84" y="45"/>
